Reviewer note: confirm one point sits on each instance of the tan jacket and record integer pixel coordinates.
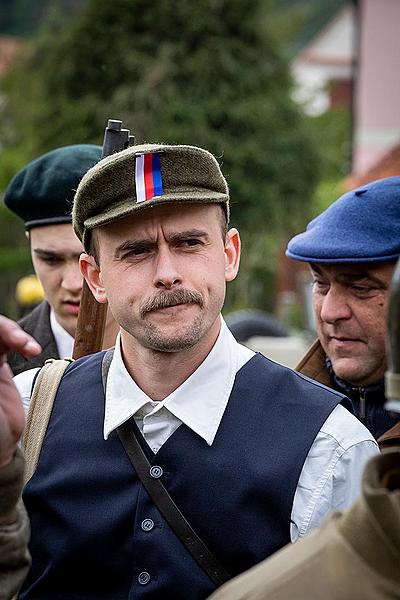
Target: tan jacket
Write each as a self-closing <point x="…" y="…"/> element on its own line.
<point x="354" y="556"/>
<point x="313" y="365"/>
<point x="14" y="529"/>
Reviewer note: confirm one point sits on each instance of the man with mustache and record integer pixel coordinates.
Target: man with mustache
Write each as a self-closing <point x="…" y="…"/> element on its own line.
<point x="352" y="248"/>
<point x="252" y="453"/>
<point x="41" y="195"/>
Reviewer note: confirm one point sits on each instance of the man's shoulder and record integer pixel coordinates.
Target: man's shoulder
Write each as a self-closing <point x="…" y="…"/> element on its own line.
<point x="270" y="368"/>
<point x="41" y="313"/>
<point x="37" y="324"/>
<point x="346" y="429"/>
<point x="24" y="382"/>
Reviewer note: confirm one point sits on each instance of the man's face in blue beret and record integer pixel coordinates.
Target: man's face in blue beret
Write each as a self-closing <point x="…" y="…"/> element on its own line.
<point x="350" y="303"/>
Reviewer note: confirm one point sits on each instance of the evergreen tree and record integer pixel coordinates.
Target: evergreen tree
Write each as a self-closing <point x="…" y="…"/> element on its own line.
<point x="208" y="73"/>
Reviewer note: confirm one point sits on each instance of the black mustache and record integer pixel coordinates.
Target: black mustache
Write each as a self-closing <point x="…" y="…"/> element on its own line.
<point x="165" y="299"/>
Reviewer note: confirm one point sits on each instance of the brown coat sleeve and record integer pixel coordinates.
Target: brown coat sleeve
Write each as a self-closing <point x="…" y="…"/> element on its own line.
<point x="14" y="529"/>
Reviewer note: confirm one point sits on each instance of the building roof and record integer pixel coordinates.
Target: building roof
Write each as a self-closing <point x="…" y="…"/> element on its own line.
<point x="387" y="166"/>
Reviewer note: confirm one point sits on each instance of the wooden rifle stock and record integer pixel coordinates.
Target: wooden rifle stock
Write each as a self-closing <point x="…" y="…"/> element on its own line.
<point x="92" y="315"/>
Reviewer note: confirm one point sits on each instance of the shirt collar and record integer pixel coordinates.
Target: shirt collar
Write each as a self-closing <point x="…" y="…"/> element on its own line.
<point x="64" y="341"/>
<point x="199" y="402"/>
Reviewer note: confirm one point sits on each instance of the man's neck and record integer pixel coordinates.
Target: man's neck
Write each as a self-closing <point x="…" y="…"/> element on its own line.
<point x="347" y="387"/>
<point x="158" y="374"/>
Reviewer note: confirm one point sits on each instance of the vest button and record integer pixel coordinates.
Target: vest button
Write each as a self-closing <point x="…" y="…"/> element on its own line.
<point x="144" y="578"/>
<point x="156" y="472"/>
<point x="147" y="524"/>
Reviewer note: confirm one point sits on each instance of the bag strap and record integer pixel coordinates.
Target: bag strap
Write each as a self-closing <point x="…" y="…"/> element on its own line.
<point x="161" y="498"/>
<point x="40" y="407"/>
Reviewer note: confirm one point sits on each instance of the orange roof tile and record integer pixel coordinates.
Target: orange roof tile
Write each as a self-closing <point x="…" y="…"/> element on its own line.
<point x="387" y="166"/>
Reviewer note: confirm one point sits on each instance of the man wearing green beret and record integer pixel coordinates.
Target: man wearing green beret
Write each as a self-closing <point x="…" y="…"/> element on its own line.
<point x="41" y="194"/>
<point x="178" y="418"/>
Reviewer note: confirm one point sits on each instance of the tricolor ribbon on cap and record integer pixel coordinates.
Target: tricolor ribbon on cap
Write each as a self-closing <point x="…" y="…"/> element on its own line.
<point x="148" y="176"/>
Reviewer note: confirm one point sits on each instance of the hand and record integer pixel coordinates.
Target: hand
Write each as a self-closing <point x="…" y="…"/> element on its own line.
<point x="12" y="417"/>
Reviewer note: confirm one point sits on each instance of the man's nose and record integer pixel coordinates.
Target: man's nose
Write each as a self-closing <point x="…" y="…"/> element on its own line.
<point x="167" y="272"/>
<point x="72" y="278"/>
<point x="334" y="306"/>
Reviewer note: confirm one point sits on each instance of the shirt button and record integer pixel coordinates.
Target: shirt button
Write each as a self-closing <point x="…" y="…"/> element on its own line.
<point x="156" y="472"/>
<point x="144" y="578"/>
<point x="147" y="524"/>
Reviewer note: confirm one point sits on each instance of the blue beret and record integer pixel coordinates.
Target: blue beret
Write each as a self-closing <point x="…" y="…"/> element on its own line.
<point x="43" y="191"/>
<point x="361" y="226"/>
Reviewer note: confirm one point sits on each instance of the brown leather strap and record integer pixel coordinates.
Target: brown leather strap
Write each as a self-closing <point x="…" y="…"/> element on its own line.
<point x="390" y="438"/>
<point x="168" y="508"/>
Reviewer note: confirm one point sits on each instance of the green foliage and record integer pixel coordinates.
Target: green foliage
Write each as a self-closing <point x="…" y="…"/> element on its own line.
<point x="301" y="20"/>
<point x="14" y="249"/>
<point x="327" y="191"/>
<point x="208" y="73"/>
<point x="331" y="132"/>
<point x="15" y="259"/>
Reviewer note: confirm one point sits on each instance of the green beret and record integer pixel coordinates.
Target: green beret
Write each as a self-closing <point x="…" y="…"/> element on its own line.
<point x="145" y="176"/>
<point x="43" y="191"/>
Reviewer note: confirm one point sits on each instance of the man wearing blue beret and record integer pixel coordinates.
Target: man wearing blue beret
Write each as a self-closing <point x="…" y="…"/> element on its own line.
<point x="352" y="249"/>
<point x="41" y="194"/>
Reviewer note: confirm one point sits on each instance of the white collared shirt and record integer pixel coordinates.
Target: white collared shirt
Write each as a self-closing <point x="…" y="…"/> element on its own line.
<point x="64" y="341"/>
<point x="331" y="476"/>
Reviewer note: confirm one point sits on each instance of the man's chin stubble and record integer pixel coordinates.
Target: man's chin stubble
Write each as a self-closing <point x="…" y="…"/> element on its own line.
<point x="156" y="340"/>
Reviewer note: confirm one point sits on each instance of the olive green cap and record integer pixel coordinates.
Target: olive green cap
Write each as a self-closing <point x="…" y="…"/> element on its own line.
<point x="109" y="191"/>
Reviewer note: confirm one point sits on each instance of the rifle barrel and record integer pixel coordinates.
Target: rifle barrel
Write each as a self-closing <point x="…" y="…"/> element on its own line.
<point x="92" y="315"/>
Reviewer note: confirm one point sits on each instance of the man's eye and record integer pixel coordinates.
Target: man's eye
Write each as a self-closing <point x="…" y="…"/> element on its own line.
<point x="191" y="242"/>
<point x="51" y="260"/>
<point x="136" y="251"/>
<point x="319" y="285"/>
<point x="361" y="289"/>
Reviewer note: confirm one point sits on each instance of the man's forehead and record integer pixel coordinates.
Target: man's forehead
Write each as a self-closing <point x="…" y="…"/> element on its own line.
<point x="174" y="216"/>
<point x="59" y="239"/>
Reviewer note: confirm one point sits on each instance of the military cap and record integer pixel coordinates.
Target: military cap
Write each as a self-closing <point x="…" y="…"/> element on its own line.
<point x="42" y="192"/>
<point x="146" y="176"/>
<point x="361" y="226"/>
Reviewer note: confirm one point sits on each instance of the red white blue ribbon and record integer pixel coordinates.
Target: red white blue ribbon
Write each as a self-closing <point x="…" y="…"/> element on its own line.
<point x="148" y="177"/>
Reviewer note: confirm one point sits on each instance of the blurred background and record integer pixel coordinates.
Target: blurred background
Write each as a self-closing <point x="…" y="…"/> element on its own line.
<point x="298" y="99"/>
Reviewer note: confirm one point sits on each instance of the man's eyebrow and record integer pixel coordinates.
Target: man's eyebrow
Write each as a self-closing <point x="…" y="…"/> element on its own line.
<point x="360" y="276"/>
<point x="350" y="277"/>
<point x="189" y="233"/>
<point x="45" y="253"/>
<point x="131" y="245"/>
<point x="315" y="269"/>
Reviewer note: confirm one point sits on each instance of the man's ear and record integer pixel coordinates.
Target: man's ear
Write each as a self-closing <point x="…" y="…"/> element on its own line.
<point x="91" y="273"/>
<point x="232" y="254"/>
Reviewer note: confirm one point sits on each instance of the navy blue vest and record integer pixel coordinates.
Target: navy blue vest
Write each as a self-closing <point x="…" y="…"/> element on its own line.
<point x="95" y="532"/>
